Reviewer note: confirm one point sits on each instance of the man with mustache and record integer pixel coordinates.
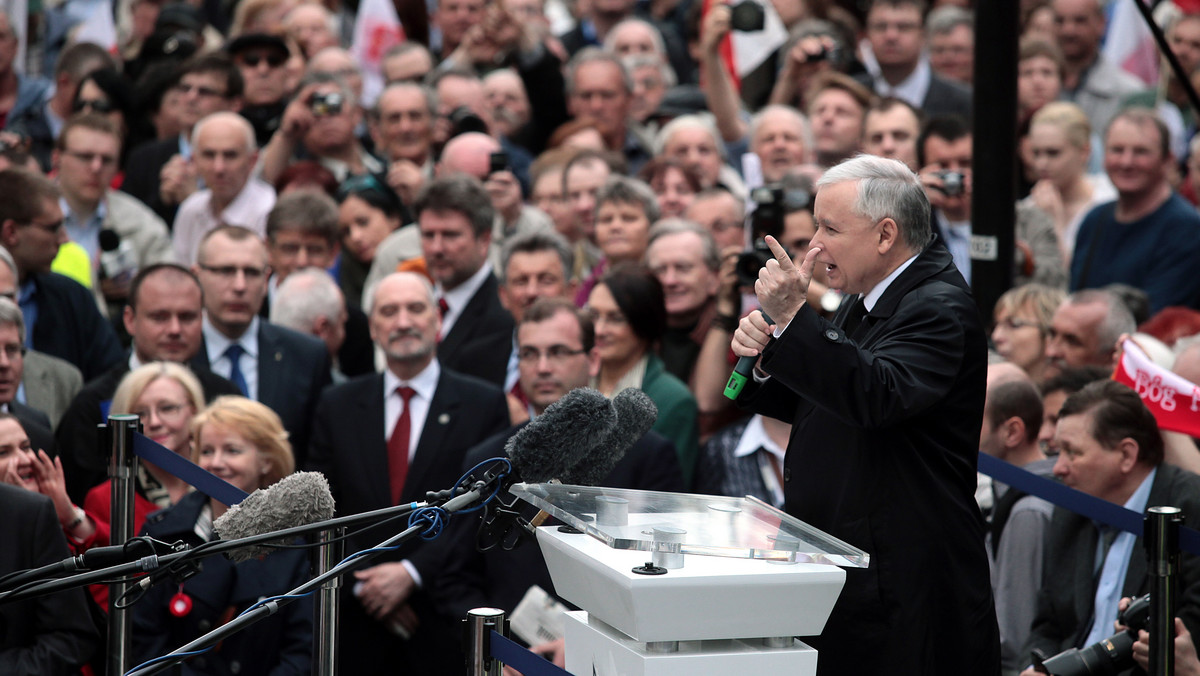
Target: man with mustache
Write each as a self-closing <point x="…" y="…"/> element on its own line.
<point x="385" y="439"/>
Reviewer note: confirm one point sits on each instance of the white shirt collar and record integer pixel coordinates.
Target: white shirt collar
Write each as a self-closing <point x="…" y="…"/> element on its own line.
<point x="458" y="297"/>
<point x="755" y="437"/>
<point x="246" y="209"/>
<point x="876" y="293"/>
<point x="425" y="382"/>
<point x="913" y="88"/>
<point x="216" y="342"/>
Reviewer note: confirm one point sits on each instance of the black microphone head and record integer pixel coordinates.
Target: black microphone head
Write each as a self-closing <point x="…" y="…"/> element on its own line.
<point x="563" y="434"/>
<point x="109" y="240"/>
<point x="635" y="415"/>
<point x="296" y="500"/>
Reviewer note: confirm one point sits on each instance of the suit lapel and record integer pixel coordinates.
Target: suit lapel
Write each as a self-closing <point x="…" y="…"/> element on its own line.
<point x="372" y="442"/>
<point x="270" y="351"/>
<point x="442" y="413"/>
<point x="462" y="327"/>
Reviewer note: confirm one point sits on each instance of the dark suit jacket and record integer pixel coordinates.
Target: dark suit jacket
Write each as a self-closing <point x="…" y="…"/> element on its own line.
<point x="357" y="356"/>
<point x="1064" y="614"/>
<point x="142" y="171"/>
<point x="293" y="369"/>
<point x="498" y="578"/>
<point x="85" y="463"/>
<point x="70" y="326"/>
<point x="944" y="97"/>
<point x="882" y="455"/>
<point x="350" y="449"/>
<point x="51" y="634"/>
<point x="480" y="341"/>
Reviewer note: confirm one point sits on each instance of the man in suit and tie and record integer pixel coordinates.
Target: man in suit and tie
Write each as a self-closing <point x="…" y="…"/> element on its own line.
<point x="384" y="439"/>
<point x="1110" y="448"/>
<point x="455" y="217"/>
<point x="163" y="319"/>
<point x="279" y="367"/>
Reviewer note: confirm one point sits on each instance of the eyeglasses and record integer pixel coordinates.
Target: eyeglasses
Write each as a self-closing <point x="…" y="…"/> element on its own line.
<point x="13" y="350"/>
<point x="1014" y="324"/>
<point x="273" y="60"/>
<point x="97" y="106"/>
<point x="48" y="228"/>
<point x="168" y="412"/>
<point x="555" y="353"/>
<point x="229" y="272"/>
<point x="363" y="183"/>
<point x="202" y="91"/>
<point x="900" y="26"/>
<point x="90" y="158"/>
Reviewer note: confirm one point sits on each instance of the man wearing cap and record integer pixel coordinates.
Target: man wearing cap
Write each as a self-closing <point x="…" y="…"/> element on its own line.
<point x="261" y="58"/>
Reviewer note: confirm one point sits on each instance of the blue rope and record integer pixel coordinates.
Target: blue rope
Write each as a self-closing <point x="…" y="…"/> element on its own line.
<point x="514" y="655"/>
<point x="171" y="462"/>
<point x="1081" y="503"/>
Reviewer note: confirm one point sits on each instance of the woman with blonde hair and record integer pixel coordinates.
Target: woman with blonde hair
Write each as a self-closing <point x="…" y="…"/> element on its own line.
<point x="1060" y="144"/>
<point x="1022" y="322"/>
<point x="244" y="443"/>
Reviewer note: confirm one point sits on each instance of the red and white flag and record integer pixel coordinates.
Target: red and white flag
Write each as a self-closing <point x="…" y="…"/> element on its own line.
<point x="745" y="51"/>
<point x="1174" y="401"/>
<point x="376" y="30"/>
<point x="1130" y="44"/>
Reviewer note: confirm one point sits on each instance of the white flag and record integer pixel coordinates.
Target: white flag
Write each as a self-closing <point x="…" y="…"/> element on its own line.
<point x="376" y="30"/>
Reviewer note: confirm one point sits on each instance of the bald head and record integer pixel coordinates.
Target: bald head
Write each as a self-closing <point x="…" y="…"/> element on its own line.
<point x="467" y="154"/>
<point x="224" y="152"/>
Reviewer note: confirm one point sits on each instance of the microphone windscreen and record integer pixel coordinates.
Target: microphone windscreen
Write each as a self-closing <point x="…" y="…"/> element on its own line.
<point x="563" y="434"/>
<point x="296" y="500"/>
<point x="635" y="415"/>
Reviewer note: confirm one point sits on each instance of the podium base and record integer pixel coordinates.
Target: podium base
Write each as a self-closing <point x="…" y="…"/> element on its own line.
<point x="595" y="648"/>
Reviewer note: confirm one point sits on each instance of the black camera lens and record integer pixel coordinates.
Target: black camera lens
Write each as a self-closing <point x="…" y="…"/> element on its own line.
<point x="747" y="16"/>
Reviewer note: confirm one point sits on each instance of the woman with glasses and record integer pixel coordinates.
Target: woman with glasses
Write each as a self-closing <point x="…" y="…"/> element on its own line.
<point x="628" y="308"/>
<point x="164" y="396"/>
<point x="1022" y="319"/>
<point x="106" y="92"/>
<point x="368" y="211"/>
<point x="244" y="443"/>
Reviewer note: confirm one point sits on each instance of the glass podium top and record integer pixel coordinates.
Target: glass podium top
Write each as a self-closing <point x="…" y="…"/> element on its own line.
<point x="711" y="525"/>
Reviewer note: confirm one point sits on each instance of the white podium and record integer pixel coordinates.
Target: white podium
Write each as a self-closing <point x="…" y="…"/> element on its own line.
<point x="675" y="584"/>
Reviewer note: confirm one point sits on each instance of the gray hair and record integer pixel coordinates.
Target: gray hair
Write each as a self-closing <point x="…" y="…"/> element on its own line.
<point x="596" y="55"/>
<point x="369" y="294"/>
<point x="7" y="259"/>
<point x="626" y="190"/>
<point x="1118" y="319"/>
<point x="945" y="19"/>
<point x="536" y="241"/>
<point x="709" y="252"/>
<point x="886" y="189"/>
<point x="610" y="40"/>
<point x="685" y="122"/>
<point x="635" y="61"/>
<point x="10" y="315"/>
<point x="431" y="100"/>
<point x="241" y="122"/>
<point x="797" y="116"/>
<point x="304" y="296"/>
<point x="317" y="78"/>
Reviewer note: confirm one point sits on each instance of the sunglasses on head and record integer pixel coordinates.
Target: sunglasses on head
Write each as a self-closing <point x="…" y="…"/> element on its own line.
<point x="96" y="106"/>
<point x="273" y="60"/>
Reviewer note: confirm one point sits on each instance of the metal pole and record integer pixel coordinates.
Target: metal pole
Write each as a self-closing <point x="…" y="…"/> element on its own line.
<point x="480" y="623"/>
<point x="327" y="602"/>
<point x="1162" y="553"/>
<point x="121" y="469"/>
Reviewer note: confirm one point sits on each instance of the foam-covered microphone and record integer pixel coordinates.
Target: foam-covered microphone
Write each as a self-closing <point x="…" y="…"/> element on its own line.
<point x="296" y="500"/>
<point x="635" y="415"/>
<point x="555" y="441"/>
<point x="741" y="371"/>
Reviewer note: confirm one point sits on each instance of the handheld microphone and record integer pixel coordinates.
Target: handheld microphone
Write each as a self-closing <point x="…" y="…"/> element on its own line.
<point x="741" y="371"/>
<point x="296" y="500"/>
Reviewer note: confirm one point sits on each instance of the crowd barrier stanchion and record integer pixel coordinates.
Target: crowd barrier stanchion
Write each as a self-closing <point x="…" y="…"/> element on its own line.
<point x="331" y="552"/>
<point x="121" y="469"/>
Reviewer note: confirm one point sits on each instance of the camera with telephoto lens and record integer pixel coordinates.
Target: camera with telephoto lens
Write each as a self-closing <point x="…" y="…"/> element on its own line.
<point x="1103" y="658"/>
<point x="772" y="204"/>
<point x="952" y="183"/>
<point x="747" y="16"/>
<point x="326" y="104"/>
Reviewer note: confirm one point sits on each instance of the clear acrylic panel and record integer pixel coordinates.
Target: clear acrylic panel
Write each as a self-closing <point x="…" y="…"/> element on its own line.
<point x="712" y="525"/>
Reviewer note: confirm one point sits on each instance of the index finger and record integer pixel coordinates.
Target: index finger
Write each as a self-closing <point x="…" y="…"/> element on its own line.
<point x="781" y="255"/>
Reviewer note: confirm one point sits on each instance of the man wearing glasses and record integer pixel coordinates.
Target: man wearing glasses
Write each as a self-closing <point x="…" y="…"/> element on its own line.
<point x="261" y="58"/>
<point x="161" y="173"/>
<point x="101" y="220"/>
<point x="224" y="156"/>
<point x="279" y="367"/>
<point x="61" y="316"/>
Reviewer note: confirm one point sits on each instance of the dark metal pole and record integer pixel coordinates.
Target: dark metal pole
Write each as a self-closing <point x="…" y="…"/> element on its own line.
<point x="121" y="469"/>
<point x="994" y="161"/>
<point x="1162" y="554"/>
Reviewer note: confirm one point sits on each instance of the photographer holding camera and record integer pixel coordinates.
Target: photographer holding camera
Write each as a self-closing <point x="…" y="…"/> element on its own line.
<point x="1111" y="449"/>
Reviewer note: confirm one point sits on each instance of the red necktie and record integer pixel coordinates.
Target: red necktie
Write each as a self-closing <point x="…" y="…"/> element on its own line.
<point x="443" y="307"/>
<point x="398" y="444"/>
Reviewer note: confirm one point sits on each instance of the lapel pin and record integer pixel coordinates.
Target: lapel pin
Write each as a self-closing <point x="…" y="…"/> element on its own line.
<point x="278" y="356"/>
<point x="444" y="419"/>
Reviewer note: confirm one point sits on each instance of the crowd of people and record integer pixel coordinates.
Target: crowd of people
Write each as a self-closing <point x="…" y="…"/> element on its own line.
<point x="281" y="258"/>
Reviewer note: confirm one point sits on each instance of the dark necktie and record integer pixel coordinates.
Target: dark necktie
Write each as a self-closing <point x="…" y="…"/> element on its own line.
<point x="398" y="444"/>
<point x="854" y="318"/>
<point x="234" y="353"/>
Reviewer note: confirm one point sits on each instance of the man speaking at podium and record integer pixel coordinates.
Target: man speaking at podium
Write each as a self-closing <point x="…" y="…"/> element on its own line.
<point x="886" y="403"/>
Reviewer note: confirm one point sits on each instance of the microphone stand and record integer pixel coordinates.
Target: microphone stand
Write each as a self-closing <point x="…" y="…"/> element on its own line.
<point x="122" y="471"/>
<point x="328" y="601"/>
<point x="271" y="607"/>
